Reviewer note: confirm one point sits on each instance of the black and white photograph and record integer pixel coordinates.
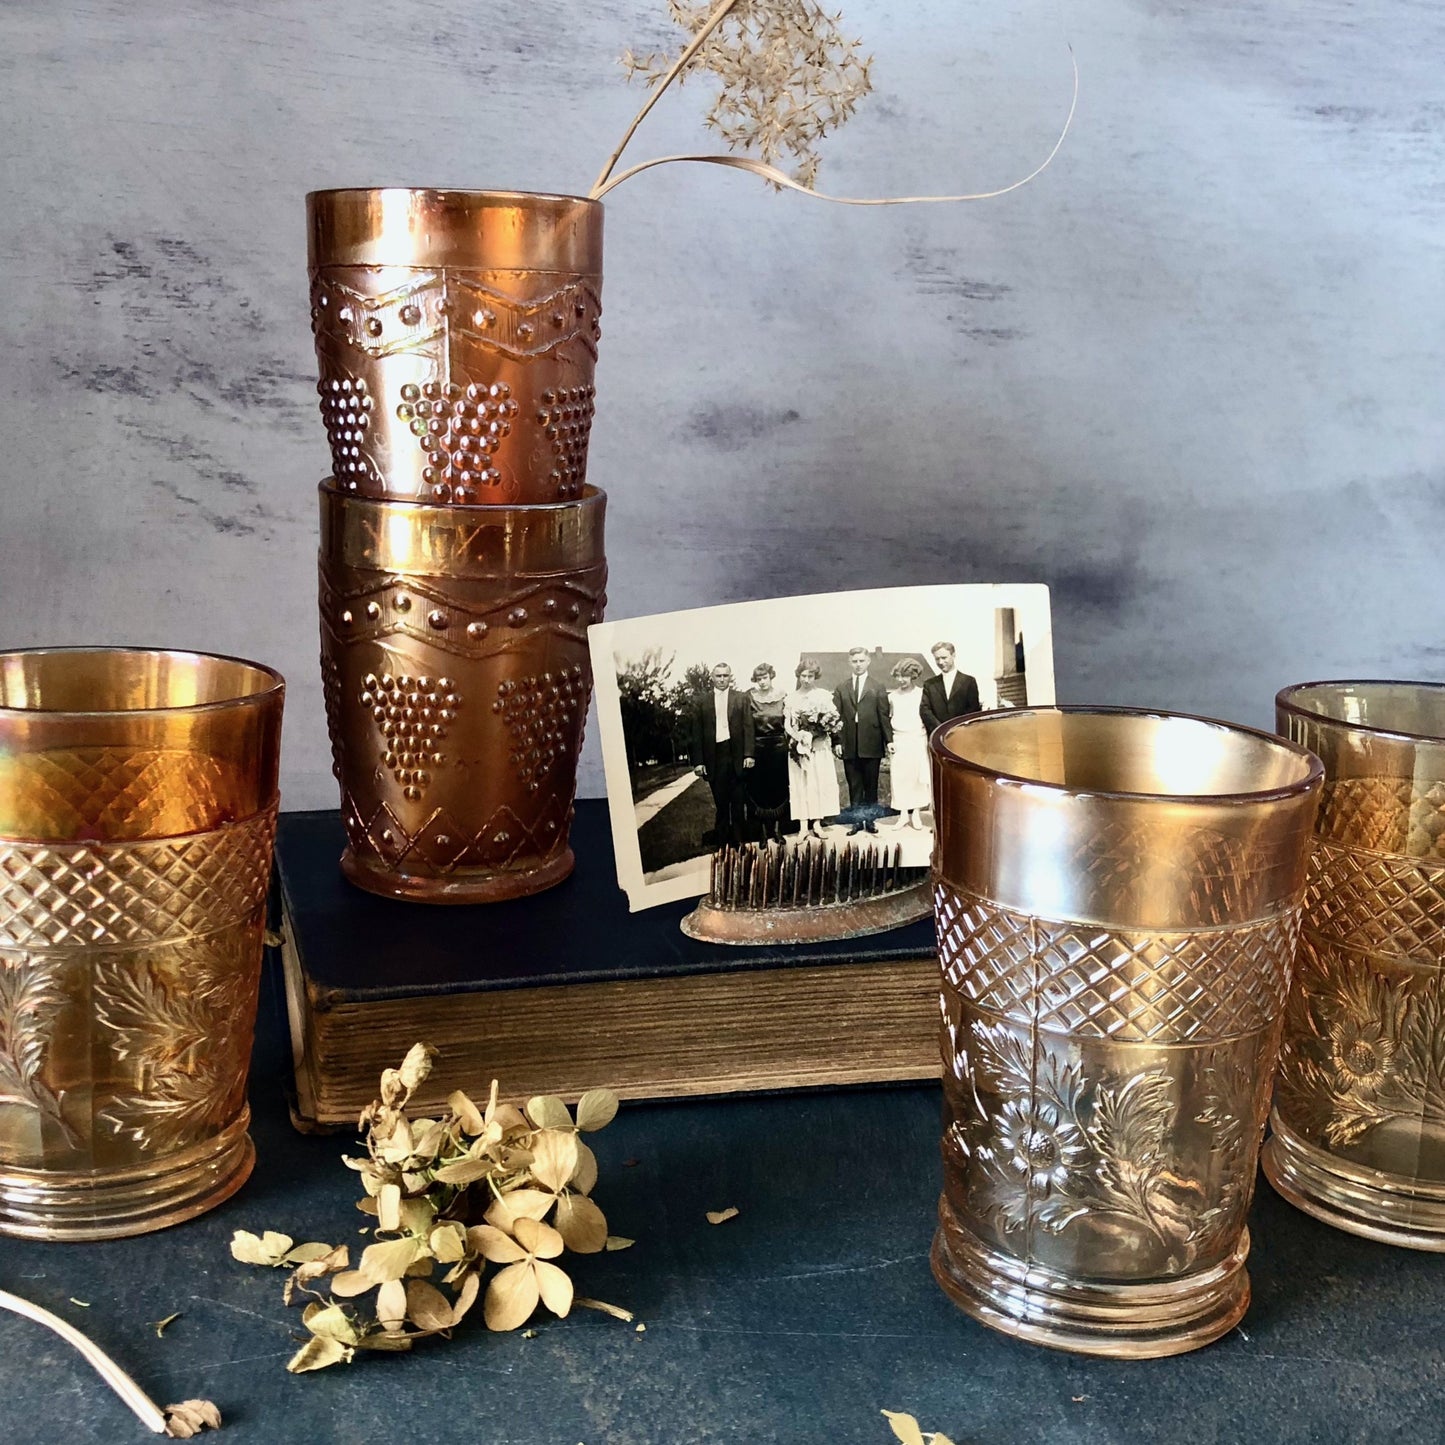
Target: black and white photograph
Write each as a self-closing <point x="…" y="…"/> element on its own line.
<point x="798" y="718"/>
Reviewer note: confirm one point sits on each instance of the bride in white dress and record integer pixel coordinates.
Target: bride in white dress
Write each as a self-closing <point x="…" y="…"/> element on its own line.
<point x="812" y="774"/>
<point x="909" y="781"/>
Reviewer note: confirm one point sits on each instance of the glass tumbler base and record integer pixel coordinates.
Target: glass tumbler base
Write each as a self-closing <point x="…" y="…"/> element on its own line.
<point x="1391" y="1208"/>
<point x="115" y="1203"/>
<point x="461" y="886"/>
<point x="1122" y="1321"/>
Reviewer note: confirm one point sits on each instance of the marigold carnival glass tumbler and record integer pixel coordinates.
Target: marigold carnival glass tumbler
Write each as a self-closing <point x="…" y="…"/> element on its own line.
<point x="1117" y="898"/>
<point x="456" y="335"/>
<point x="137" y="813"/>
<point x="1358" y="1129"/>
<point x="454" y="665"/>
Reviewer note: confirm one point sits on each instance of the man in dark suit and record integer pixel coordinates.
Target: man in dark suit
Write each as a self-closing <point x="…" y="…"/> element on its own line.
<point x="867" y="731"/>
<point x="722" y="750"/>
<point x="951" y="694"/>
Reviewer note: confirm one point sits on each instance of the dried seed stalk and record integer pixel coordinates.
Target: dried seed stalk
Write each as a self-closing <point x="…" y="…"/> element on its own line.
<point x="787" y="76"/>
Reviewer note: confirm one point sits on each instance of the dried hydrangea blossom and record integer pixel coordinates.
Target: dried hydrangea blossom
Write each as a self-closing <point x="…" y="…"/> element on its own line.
<point x="427" y="1182"/>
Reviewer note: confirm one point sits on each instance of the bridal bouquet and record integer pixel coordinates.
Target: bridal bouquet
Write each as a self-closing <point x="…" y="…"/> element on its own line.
<point x="816" y="720"/>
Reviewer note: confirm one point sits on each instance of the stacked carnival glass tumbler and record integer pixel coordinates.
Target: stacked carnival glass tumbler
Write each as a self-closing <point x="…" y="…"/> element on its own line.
<point x="461" y="548"/>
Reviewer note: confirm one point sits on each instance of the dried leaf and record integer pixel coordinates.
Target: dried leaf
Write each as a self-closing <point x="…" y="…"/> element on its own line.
<point x="417" y="1216"/>
<point x="391" y="1305"/>
<point x="584" y="1176"/>
<point x="538" y="1239"/>
<point x="429" y="1137"/>
<point x="466" y="1295"/>
<point x="616" y="1311"/>
<point x="507" y="1118"/>
<point x="554" y="1158"/>
<point x="332" y="1262"/>
<point x="511" y="1297"/>
<point x="596" y="1109"/>
<point x="905" y="1427"/>
<point x="316" y="1354"/>
<point x="619" y="1241"/>
<point x="269" y="1249"/>
<point x="547" y="1111"/>
<point x="190" y="1417"/>
<point x="464" y="1171"/>
<point x="306" y="1253"/>
<point x="387" y="1343"/>
<point x="330" y="1322"/>
<point x="448" y="1242"/>
<point x="721" y="1216"/>
<point x="468" y="1115"/>
<point x="491" y="1243"/>
<point x="554" y="1286"/>
<point x="388" y="1260"/>
<point x="581" y="1224"/>
<point x="428" y="1307"/>
<point x="519" y="1204"/>
<point x="350" y="1284"/>
<point x="416" y="1066"/>
<point x="388" y="1207"/>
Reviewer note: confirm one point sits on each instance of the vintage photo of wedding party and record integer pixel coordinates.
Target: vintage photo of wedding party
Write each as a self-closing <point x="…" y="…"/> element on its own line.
<point x="798" y="719"/>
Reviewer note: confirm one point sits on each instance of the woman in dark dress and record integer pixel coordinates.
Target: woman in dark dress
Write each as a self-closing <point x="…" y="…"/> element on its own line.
<point x="767" y="781"/>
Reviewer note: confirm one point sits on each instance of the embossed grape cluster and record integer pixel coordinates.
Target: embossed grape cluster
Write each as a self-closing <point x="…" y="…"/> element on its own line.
<point x="540" y="713"/>
<point x="566" y="414"/>
<point x="459" y="429"/>
<point x="412" y="714"/>
<point x="346" y="414"/>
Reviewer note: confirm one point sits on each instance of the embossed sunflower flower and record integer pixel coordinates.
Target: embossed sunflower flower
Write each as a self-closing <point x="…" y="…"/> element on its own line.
<point x="1361" y="1054"/>
<point x="1041" y="1144"/>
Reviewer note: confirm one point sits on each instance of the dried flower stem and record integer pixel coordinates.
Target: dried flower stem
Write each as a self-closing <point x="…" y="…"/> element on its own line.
<point x="600" y="186"/>
<point x="782" y="179"/>
<point x="144" y="1407"/>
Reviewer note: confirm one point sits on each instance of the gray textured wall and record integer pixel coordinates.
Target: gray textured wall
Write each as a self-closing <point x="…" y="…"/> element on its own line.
<point x="1190" y="378"/>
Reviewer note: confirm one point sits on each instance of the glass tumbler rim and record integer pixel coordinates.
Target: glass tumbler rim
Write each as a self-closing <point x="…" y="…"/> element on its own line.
<point x="1285" y="700"/>
<point x="270" y="684"/>
<point x="1311" y="778"/>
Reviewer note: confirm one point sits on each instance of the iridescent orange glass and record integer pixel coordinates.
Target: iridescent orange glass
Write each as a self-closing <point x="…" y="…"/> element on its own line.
<point x="1117" y="896"/>
<point x="456" y="335"/>
<point x="454" y="660"/>
<point x="137" y="811"/>
<point x="1358" y="1129"/>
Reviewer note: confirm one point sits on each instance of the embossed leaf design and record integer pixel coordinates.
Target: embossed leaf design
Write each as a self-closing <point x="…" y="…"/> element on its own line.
<point x="30" y="999"/>
<point x="1131" y="1120"/>
<point x="177" y="1043"/>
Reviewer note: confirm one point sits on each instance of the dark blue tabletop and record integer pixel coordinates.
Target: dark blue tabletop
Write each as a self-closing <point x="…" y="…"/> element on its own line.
<point x="795" y="1322"/>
